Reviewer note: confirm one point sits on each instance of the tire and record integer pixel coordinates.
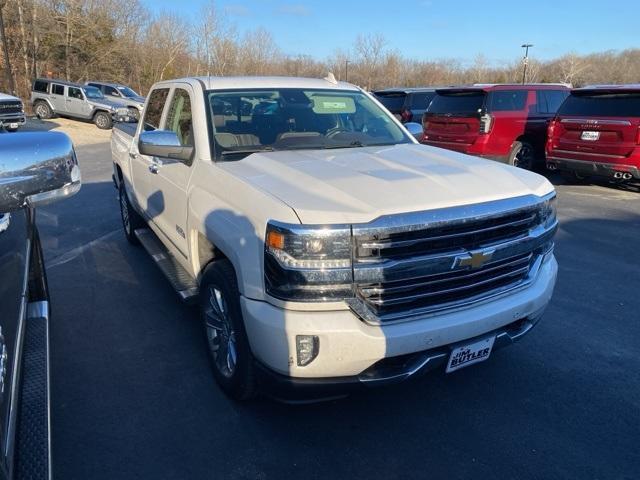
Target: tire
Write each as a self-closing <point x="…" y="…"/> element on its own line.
<point x="131" y="220"/>
<point x="43" y="110"/>
<point x="572" y="177"/>
<point x="103" y="120"/>
<point x="523" y="155"/>
<point x="226" y="337"/>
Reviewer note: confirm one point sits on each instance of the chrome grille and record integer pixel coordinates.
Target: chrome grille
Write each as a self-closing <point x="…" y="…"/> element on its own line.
<point x="419" y="263"/>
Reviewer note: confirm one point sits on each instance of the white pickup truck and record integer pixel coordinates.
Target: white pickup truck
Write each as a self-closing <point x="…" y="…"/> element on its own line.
<point x="327" y="249"/>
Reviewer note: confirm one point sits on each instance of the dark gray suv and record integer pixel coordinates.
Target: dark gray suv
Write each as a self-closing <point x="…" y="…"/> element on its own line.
<point x="406" y="104"/>
<point x="57" y="97"/>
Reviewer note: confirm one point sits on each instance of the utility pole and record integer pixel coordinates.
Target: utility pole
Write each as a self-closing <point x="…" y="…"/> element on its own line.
<point x="346" y="70"/>
<point x="5" y="52"/>
<point x="525" y="61"/>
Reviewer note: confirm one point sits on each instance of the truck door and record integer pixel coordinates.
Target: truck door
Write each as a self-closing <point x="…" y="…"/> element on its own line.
<point x="14" y="235"/>
<point x="172" y="176"/>
<point x="77" y="105"/>
<point x="143" y="167"/>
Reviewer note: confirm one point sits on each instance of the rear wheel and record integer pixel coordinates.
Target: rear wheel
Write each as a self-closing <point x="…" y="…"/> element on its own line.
<point x="229" y="350"/>
<point x="43" y="110"/>
<point x="102" y="120"/>
<point x="131" y="220"/>
<point x="573" y="177"/>
<point x="522" y="155"/>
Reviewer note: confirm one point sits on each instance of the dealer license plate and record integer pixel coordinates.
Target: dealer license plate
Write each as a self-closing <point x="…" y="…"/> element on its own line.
<point x="590" y="136"/>
<point x="471" y="353"/>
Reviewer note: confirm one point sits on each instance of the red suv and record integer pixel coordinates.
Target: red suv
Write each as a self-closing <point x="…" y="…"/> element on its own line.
<point x="502" y="122"/>
<point x="597" y="132"/>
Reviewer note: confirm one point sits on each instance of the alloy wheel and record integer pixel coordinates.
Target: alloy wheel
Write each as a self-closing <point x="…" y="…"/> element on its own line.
<point x="221" y="336"/>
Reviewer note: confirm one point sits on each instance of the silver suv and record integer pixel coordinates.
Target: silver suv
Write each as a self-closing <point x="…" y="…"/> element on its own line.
<point x="122" y="95"/>
<point x="57" y="97"/>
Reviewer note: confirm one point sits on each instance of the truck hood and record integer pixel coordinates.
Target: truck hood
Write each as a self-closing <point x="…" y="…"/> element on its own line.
<point x="357" y="185"/>
<point x="4" y="96"/>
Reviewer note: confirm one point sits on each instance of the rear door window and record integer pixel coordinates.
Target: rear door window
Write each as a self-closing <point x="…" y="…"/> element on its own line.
<point x="549" y="101"/>
<point x="57" y="89"/>
<point x="602" y="105"/>
<point x="155" y="105"/>
<point x="507" y="100"/>
<point x="421" y="100"/>
<point x="394" y="102"/>
<point x="457" y="103"/>
<point x="40" y="86"/>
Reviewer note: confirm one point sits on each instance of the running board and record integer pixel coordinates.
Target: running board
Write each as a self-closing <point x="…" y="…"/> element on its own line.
<point x="179" y="278"/>
<point x="33" y="453"/>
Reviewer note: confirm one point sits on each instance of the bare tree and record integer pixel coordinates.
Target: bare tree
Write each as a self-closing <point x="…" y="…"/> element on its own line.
<point x="5" y="50"/>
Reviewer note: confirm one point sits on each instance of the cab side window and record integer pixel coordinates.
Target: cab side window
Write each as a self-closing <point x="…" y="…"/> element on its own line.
<point x="179" y="119"/>
<point x="111" y="91"/>
<point x="155" y="105"/>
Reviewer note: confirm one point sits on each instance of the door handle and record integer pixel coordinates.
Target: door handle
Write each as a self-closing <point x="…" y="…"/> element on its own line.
<point x="153" y="168"/>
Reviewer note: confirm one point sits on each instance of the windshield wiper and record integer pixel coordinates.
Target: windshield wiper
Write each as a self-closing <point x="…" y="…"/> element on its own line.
<point x="246" y="151"/>
<point x="355" y="144"/>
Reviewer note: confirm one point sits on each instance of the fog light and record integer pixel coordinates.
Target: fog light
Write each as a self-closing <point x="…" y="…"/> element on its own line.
<point x="307" y="348"/>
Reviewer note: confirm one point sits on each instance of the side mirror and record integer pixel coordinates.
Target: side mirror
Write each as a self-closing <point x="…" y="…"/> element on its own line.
<point x="164" y="144"/>
<point x="36" y="168"/>
<point x="415" y="129"/>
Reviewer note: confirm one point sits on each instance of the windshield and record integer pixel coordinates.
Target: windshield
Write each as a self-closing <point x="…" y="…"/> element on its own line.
<point x="604" y="105"/>
<point x="457" y="103"/>
<point x="294" y="119"/>
<point x="93" y="92"/>
<point x="127" y="92"/>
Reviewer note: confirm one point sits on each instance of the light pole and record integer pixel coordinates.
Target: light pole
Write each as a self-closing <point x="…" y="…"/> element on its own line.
<point x="346" y="70"/>
<point x="525" y="61"/>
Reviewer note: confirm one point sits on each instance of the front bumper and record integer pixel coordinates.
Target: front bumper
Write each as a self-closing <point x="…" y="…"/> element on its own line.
<point x="597" y="168"/>
<point x="351" y="350"/>
<point x="12" y="119"/>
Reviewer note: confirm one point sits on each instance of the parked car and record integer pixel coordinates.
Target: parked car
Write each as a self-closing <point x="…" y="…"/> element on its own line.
<point x="56" y="97"/>
<point x="36" y="168"/>
<point x="406" y="104"/>
<point x="597" y="132"/>
<point x="326" y="248"/>
<point x="11" y="113"/>
<point x="502" y="122"/>
<point x="122" y="95"/>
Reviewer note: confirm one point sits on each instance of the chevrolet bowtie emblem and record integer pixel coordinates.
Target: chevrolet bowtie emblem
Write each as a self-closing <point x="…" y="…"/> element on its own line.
<point x="474" y="259"/>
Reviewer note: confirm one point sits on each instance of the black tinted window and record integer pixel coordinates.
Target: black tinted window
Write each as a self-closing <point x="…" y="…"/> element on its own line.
<point x="549" y="101"/>
<point x="392" y="101"/>
<point x="179" y="118"/>
<point x="110" y="91"/>
<point x="421" y="101"/>
<point x="40" y="86"/>
<point x="458" y="103"/>
<point x="605" y="105"/>
<point x="153" y="113"/>
<point x="507" y="100"/>
<point x="57" y="89"/>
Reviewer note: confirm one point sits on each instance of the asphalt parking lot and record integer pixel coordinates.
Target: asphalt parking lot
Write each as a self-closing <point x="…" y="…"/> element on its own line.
<point x="133" y="397"/>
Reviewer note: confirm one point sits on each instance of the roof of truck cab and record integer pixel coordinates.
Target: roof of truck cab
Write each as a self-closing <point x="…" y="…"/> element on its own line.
<point x="227" y="83"/>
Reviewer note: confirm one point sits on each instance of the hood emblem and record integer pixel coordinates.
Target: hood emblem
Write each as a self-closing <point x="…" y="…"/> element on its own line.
<point x="474" y="259"/>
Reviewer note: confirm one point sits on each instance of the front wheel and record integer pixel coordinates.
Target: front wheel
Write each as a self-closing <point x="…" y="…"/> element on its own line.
<point x="229" y="350"/>
<point x="102" y="120"/>
<point x="43" y="110"/>
<point x="522" y="156"/>
<point x="131" y="220"/>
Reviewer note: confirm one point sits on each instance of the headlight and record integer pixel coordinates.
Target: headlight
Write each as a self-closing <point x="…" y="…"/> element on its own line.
<point x="308" y="263"/>
<point x="548" y="212"/>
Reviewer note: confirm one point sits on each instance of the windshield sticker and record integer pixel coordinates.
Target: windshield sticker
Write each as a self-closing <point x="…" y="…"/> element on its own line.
<point x="322" y="104"/>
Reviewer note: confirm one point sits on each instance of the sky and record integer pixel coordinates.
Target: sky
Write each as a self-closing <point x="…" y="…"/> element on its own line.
<point x="435" y="29"/>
